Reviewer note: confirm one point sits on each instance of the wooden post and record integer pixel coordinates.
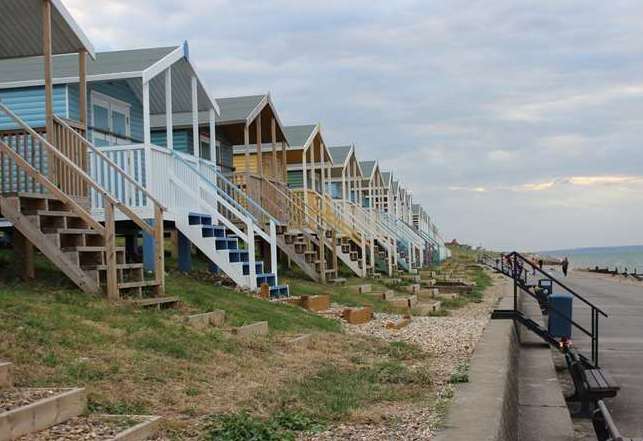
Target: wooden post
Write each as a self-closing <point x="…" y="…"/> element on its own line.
<point x="322" y="253"/>
<point x="174" y="239"/>
<point x="110" y="252"/>
<point x="312" y="165"/>
<point x="305" y="179"/>
<point x="159" y="251"/>
<point x="82" y="84"/>
<point x="273" y="138"/>
<point x="284" y="157"/>
<point x="24" y="254"/>
<point x="246" y="142"/>
<point x="169" y="116"/>
<point x="334" y="253"/>
<point x="259" y="161"/>
<point x="49" y="95"/>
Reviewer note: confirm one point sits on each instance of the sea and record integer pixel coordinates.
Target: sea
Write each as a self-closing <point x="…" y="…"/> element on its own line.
<point x="630" y="257"/>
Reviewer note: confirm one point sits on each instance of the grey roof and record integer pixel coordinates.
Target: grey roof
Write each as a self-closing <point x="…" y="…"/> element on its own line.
<point x="339" y="153"/>
<point x="367" y="168"/>
<point x="66" y="66"/>
<point x="127" y="65"/>
<point x="237" y="109"/>
<point x="298" y="135"/>
<point x="415" y="208"/>
<point x="386" y="177"/>
<point x="21" y="29"/>
<point x="394" y="186"/>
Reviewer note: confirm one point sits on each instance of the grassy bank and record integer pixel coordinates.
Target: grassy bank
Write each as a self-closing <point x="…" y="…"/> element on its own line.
<point x="206" y="383"/>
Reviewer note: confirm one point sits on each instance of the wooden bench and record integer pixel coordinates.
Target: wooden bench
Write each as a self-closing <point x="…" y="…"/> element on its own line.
<point x="604" y="426"/>
<point x="590" y="384"/>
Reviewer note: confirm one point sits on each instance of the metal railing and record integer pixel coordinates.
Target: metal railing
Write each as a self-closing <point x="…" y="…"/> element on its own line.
<point x="518" y="267"/>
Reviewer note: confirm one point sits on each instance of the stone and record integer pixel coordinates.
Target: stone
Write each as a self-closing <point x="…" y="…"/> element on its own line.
<point x="428" y="283"/>
<point x="316" y="303"/>
<point x="404" y="302"/>
<point x="258" y="328"/>
<point x="362" y="289"/>
<point x="295" y="301"/>
<point x="427" y="307"/>
<point x="217" y="317"/>
<point x="398" y="324"/>
<point x="411" y="277"/>
<point x="413" y="289"/>
<point x="339" y="281"/>
<point x="383" y="295"/>
<point x="358" y="316"/>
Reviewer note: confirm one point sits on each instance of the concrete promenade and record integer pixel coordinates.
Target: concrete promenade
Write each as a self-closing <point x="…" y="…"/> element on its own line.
<point x="621" y="342"/>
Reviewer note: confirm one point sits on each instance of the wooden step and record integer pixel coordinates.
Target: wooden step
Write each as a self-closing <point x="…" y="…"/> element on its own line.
<point x="140" y="284"/>
<point x="157" y="302"/>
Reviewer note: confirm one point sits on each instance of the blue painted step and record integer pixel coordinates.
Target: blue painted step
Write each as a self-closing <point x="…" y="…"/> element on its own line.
<point x="279" y="291"/>
<point x="268" y="278"/>
<point x="225" y="243"/>
<point x="238" y="256"/>
<point x="258" y="268"/>
<point x="213" y="231"/>
<point x="199" y="219"/>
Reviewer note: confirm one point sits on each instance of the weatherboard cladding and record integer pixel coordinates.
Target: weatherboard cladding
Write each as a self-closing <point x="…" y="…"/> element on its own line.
<point x="298" y="135"/>
<point x="295" y="179"/>
<point x="29" y="104"/>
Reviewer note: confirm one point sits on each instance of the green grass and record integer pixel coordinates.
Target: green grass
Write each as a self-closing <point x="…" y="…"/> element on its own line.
<point x="334" y="392"/>
<point x="344" y="294"/>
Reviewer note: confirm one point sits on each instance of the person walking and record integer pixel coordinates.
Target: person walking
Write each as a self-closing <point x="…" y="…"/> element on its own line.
<point x="540" y="264"/>
<point x="565" y="266"/>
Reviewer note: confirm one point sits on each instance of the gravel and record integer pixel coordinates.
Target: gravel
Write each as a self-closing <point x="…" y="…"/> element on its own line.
<point x="450" y="340"/>
<point x="85" y="428"/>
<point x="14" y="398"/>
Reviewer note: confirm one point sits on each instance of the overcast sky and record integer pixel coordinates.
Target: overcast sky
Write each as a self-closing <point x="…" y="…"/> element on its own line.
<point x="517" y="124"/>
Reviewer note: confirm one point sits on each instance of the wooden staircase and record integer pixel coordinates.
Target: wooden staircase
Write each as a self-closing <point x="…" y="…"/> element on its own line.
<point x="55" y="219"/>
<point x="302" y="234"/>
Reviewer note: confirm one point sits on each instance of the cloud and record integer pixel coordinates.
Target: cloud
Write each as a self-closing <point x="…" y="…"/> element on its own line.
<point x="485" y="110"/>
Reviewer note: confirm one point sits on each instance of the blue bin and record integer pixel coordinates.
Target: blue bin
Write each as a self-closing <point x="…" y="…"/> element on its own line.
<point x="561" y="308"/>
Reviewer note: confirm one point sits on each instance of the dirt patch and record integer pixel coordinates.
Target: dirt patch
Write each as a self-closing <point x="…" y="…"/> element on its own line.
<point x="14" y="398"/>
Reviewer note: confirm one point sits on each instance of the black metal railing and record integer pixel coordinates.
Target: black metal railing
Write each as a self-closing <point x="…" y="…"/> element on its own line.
<point x="518" y="268"/>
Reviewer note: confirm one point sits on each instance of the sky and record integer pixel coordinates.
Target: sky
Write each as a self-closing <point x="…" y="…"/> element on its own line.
<point x="516" y="124"/>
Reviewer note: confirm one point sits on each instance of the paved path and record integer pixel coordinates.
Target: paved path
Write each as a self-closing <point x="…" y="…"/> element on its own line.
<point x="621" y="343"/>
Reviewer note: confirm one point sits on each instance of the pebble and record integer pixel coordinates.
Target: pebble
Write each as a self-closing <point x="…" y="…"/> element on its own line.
<point x="450" y="340"/>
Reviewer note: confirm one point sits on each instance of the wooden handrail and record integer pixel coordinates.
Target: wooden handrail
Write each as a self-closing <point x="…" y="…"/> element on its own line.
<point x="35" y="174"/>
<point x="80" y="172"/>
<point x="110" y="162"/>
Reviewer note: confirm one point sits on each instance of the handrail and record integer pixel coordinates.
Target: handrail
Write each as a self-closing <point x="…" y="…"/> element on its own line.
<point x="45" y="182"/>
<point x="571" y="291"/>
<point x="604" y="426"/>
<point x="60" y="156"/>
<point x="106" y="158"/>
<point x="305" y="208"/>
<point x="237" y="192"/>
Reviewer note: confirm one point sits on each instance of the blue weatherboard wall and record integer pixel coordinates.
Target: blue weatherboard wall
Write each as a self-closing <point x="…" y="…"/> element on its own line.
<point x="29" y="104"/>
<point x="295" y="179"/>
<point x="182" y="139"/>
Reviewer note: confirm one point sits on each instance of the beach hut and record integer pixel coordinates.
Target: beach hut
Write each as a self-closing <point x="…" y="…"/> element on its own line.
<point x="46" y="187"/>
<point x="156" y="175"/>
